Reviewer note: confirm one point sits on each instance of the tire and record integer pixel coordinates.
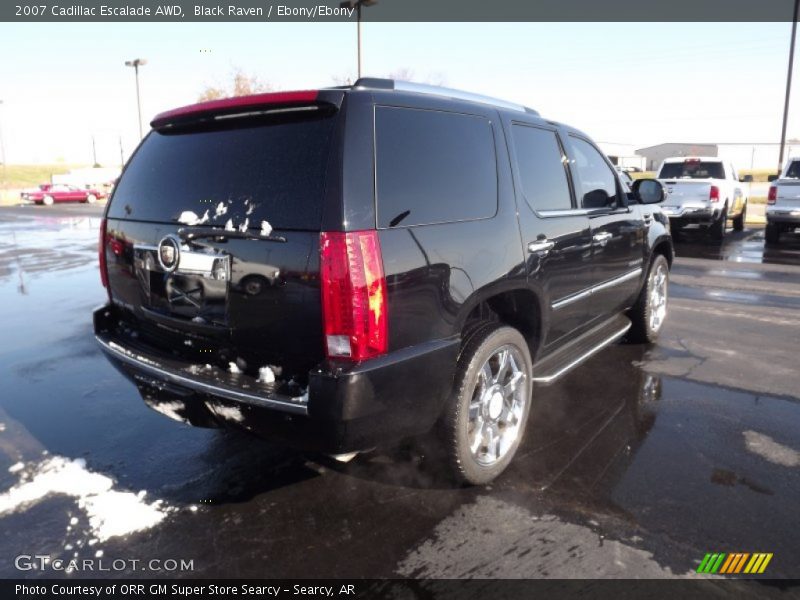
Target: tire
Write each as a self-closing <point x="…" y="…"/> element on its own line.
<point x="738" y="222"/>
<point x="772" y="234"/>
<point x="650" y="311"/>
<point x="718" y="228"/>
<point x="485" y="417"/>
<point x="48" y="200"/>
<point x="91" y="199"/>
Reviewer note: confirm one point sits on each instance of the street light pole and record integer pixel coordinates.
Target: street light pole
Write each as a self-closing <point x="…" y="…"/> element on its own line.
<point x="357" y="4"/>
<point x="788" y="85"/>
<point x="136" y="63"/>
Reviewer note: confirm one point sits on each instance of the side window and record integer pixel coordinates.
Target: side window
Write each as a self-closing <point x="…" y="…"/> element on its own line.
<point x="541" y="168"/>
<point x="597" y="185"/>
<point x="433" y="167"/>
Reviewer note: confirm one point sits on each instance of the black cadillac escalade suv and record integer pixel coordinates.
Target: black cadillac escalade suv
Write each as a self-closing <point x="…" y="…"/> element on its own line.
<point x="342" y="268"/>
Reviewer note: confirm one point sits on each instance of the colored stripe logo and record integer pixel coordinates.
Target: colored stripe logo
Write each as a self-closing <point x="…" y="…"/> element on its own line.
<point x="734" y="563"/>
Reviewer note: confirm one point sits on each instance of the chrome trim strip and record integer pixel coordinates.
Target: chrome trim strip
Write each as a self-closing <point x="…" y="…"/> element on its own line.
<point x="597" y="288"/>
<point x="435" y="90"/>
<point x="617" y="280"/>
<point x="570" y="299"/>
<point x="584" y="356"/>
<point x="153" y="369"/>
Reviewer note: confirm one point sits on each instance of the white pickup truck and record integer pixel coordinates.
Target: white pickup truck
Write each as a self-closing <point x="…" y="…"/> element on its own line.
<point x="705" y="191"/>
<point x="783" y="202"/>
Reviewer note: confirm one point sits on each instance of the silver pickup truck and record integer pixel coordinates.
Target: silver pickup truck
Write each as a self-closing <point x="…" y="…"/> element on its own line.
<point x="783" y="202"/>
<point x="704" y="191"/>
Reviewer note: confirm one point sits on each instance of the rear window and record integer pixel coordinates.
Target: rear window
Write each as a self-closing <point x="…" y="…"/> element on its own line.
<point x="540" y="164"/>
<point x="692" y="170"/>
<point x="248" y="171"/>
<point x="793" y="171"/>
<point x="433" y="167"/>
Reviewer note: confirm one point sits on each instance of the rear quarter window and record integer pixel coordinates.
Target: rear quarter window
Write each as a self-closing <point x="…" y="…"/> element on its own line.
<point x="247" y="171"/>
<point x="433" y="167"/>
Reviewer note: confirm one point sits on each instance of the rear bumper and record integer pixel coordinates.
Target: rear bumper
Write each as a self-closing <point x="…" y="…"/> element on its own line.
<point x="784" y="216"/>
<point x="344" y="408"/>
<point x="692" y="214"/>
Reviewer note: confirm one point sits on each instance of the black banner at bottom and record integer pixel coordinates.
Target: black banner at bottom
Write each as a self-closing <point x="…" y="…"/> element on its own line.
<point x="399" y="589"/>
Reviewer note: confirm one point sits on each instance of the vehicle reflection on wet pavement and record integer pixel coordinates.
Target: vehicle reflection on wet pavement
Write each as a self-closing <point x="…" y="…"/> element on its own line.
<point x="635" y="465"/>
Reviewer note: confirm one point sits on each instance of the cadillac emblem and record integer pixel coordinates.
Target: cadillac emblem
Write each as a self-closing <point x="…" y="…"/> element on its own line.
<point x="169" y="253"/>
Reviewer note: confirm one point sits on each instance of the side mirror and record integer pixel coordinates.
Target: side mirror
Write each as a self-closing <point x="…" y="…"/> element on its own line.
<point x="746" y="179"/>
<point x="648" y="191"/>
<point x="772" y="178"/>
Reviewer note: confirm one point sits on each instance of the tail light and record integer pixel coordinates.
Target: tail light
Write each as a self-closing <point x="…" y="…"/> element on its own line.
<point x="101" y="252"/>
<point x="772" y="197"/>
<point x="354" y="315"/>
<point x="713" y="194"/>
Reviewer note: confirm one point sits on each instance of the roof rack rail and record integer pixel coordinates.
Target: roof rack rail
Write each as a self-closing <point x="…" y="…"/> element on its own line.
<point x="435" y="90"/>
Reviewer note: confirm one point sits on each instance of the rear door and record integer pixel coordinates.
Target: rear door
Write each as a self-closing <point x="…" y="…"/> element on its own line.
<point x="555" y="233"/>
<point x="788" y="192"/>
<point x="214" y="233"/>
<point x="617" y="230"/>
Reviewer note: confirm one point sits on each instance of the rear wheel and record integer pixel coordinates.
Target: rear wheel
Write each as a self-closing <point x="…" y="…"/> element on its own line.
<point x="486" y="414"/>
<point x="738" y="222"/>
<point x="718" y="228"/>
<point x="650" y="310"/>
<point x="772" y="234"/>
<point x="48" y="200"/>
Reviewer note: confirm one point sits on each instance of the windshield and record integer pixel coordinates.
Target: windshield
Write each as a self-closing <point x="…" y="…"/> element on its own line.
<point x="232" y="176"/>
<point x="692" y="169"/>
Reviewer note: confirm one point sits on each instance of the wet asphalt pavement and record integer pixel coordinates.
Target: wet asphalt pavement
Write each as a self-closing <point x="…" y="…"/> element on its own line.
<point x="635" y="465"/>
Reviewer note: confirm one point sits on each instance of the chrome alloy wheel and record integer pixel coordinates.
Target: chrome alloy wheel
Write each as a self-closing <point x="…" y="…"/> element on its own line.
<point x="497" y="405"/>
<point x="658" y="297"/>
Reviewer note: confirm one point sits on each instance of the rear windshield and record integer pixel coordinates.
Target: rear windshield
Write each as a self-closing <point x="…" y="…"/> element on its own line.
<point x="794" y="170"/>
<point x="245" y="172"/>
<point x="692" y="170"/>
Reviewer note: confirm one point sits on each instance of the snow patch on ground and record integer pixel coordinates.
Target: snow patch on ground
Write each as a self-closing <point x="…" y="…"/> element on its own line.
<point x="767" y="448"/>
<point x="266" y="228"/>
<point x="110" y="512"/>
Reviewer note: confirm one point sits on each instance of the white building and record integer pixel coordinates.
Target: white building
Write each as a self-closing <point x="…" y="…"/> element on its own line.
<point x="754" y="155"/>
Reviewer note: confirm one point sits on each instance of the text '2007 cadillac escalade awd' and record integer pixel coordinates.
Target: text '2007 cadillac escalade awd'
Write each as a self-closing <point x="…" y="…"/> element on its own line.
<point x="343" y="268"/>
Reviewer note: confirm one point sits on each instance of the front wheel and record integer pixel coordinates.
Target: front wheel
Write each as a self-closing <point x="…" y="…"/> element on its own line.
<point x="650" y="311"/>
<point x="91" y="198"/>
<point x="485" y="417"/>
<point x="48" y="200"/>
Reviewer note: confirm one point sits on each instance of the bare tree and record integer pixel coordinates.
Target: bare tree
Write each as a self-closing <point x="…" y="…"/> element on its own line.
<point x="406" y="74"/>
<point x="241" y="85"/>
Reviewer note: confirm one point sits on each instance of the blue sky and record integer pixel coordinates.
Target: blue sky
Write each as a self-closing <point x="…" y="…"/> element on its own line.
<point x="636" y="83"/>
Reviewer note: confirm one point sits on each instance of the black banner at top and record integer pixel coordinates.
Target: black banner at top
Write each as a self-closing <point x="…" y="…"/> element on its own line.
<point x="322" y="11"/>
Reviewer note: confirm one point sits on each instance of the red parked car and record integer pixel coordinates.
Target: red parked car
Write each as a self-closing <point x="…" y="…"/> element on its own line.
<point x="59" y="192"/>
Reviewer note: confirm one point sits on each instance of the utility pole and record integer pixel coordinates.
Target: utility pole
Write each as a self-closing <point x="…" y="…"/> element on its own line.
<point x="788" y="84"/>
<point x="136" y="63"/>
<point x="357" y="4"/>
<point x="121" y="156"/>
<point x="94" y="154"/>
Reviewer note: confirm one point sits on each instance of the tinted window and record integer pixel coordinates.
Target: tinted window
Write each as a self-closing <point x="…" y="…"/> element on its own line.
<point x="433" y="167"/>
<point x="256" y="170"/>
<point x="794" y="170"/>
<point x="597" y="183"/>
<point x="541" y="169"/>
<point x="692" y="169"/>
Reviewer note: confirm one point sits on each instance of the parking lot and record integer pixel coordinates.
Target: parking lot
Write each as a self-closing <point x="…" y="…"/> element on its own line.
<point x="693" y="449"/>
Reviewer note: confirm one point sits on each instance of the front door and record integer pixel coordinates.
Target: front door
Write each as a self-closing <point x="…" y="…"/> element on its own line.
<point x="617" y="230"/>
<point x="556" y="235"/>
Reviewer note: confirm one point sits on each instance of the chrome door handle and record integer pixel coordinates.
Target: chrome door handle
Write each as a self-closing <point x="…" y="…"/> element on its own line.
<point x="541" y="247"/>
<point x="602" y="238"/>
